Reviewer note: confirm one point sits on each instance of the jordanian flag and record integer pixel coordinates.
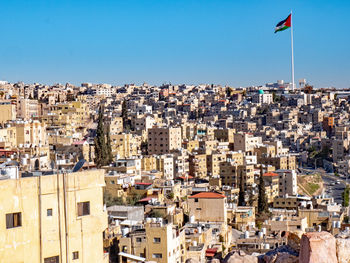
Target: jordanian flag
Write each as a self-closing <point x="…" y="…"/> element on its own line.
<point x="284" y="24"/>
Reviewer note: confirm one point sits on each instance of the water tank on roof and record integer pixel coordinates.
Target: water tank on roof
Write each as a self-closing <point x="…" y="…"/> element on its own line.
<point x="246" y="234"/>
<point x="261" y="91"/>
<point x="125" y="231"/>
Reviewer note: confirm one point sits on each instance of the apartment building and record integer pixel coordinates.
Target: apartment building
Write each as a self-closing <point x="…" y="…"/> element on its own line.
<point x="224" y="135"/>
<point x="157" y="242"/>
<point x="8" y="111"/>
<point x="286" y="162"/>
<point x="262" y="98"/>
<point x="125" y="145"/>
<point x="27" y="109"/>
<point x="163" y="140"/>
<point x="232" y="174"/>
<point x="288" y="184"/>
<point x="208" y="207"/>
<point x="246" y="142"/>
<point x="198" y="165"/>
<point x="213" y="163"/>
<point x="165" y="164"/>
<point x="53" y="218"/>
<point x="32" y="132"/>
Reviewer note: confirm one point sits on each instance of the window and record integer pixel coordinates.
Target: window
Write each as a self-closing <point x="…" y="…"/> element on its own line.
<point x="13" y="220"/>
<point x="55" y="259"/>
<point x="198" y="208"/>
<point x="75" y="255"/>
<point x="49" y="212"/>
<point x="83" y="208"/>
<point x="138" y="239"/>
<point x="196" y="200"/>
<point x="157" y="255"/>
<point x="156" y="240"/>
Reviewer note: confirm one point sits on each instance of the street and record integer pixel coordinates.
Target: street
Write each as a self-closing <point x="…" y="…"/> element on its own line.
<point x="333" y="185"/>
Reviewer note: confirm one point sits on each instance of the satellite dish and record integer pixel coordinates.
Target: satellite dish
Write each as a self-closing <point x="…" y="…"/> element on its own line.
<point x="79" y="165"/>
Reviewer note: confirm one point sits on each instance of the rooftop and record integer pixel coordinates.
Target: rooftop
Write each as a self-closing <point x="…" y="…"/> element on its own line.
<point x="208" y="195"/>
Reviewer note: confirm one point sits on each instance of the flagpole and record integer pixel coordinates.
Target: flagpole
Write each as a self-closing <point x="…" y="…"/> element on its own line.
<point x="291" y="38"/>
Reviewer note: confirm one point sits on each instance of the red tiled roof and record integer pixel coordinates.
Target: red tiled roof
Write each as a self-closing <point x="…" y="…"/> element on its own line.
<point x="210" y="252"/>
<point x="208" y="195"/>
<point x="146" y="199"/>
<point x="184" y="177"/>
<point x="270" y="174"/>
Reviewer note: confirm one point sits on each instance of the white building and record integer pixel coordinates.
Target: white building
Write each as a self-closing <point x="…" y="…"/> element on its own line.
<point x="262" y="98"/>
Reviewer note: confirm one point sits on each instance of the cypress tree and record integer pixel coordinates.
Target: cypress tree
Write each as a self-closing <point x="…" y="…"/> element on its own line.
<point x="109" y="146"/>
<point x="262" y="199"/>
<point x="126" y="122"/>
<point x="100" y="142"/>
<point x="241" y="201"/>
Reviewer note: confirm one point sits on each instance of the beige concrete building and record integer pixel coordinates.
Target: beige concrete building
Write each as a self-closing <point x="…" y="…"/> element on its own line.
<point x="208" y="206"/>
<point x="32" y="132"/>
<point x="198" y="165"/>
<point x="8" y="111"/>
<point x="224" y="135"/>
<point x="53" y="218"/>
<point x="163" y="140"/>
<point x="213" y="163"/>
<point x="246" y="142"/>
<point x="27" y="109"/>
<point x="286" y="162"/>
<point x="158" y="242"/>
<point x="125" y="145"/>
<point x="148" y="163"/>
<point x="232" y="174"/>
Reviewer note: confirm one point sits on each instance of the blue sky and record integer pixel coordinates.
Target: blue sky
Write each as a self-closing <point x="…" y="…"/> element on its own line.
<point x="184" y="41"/>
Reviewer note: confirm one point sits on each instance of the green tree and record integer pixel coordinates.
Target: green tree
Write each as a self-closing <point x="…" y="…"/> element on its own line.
<point x="126" y="121"/>
<point x="170" y="195"/>
<point x="241" y="199"/>
<point x="156" y="213"/>
<point x="133" y="199"/>
<point x="101" y="155"/>
<point x="262" y="198"/>
<point x="109" y="146"/>
<point x="346" y="196"/>
<point x="110" y="201"/>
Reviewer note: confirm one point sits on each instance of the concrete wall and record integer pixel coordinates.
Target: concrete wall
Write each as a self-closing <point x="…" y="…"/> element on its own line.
<point x="41" y="236"/>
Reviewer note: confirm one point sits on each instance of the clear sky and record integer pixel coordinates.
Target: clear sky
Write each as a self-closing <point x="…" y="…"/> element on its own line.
<point x="180" y="41"/>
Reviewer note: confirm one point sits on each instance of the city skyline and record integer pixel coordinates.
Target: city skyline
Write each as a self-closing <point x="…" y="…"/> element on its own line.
<point x="184" y="42"/>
